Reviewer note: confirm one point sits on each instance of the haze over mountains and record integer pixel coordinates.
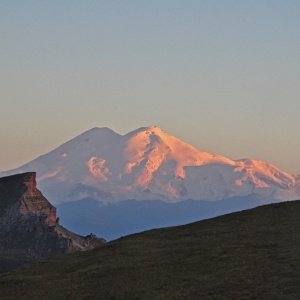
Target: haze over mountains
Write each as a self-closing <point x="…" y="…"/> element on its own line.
<point x="148" y="164"/>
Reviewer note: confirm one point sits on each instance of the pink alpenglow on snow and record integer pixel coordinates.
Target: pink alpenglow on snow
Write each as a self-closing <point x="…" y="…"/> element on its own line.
<point x="148" y="164"/>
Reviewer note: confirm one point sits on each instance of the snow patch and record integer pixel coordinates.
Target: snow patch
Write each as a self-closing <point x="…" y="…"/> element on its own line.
<point x="97" y="168"/>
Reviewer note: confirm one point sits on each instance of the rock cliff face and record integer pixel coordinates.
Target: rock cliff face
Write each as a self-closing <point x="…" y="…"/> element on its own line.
<point x="29" y="228"/>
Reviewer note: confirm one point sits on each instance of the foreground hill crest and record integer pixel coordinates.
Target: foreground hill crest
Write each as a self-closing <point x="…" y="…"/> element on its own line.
<point x="148" y="164"/>
<point x="252" y="254"/>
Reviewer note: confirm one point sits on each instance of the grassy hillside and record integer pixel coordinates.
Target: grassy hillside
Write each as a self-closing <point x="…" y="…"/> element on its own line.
<point x="253" y="254"/>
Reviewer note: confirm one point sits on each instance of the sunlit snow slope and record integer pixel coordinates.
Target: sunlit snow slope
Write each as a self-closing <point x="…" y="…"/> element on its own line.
<point x="149" y="163"/>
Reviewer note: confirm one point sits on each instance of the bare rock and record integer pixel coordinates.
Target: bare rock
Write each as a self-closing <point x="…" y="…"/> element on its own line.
<point x="29" y="228"/>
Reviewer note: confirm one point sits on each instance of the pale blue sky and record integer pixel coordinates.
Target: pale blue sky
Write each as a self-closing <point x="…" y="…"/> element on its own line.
<point x="220" y="75"/>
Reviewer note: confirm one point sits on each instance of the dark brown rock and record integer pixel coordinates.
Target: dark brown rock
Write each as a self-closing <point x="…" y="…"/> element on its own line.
<point x="29" y="228"/>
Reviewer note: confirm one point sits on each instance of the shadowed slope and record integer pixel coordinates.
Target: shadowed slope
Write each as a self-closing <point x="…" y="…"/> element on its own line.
<point x="253" y="254"/>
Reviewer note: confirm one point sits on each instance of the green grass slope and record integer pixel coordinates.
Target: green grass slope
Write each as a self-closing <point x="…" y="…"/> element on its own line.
<point x="254" y="254"/>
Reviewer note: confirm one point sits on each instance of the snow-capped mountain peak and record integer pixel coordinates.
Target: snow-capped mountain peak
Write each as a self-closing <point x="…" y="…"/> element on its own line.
<point x="149" y="163"/>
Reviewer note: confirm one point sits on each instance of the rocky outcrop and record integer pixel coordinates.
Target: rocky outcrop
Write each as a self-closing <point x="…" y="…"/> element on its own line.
<point x="29" y="228"/>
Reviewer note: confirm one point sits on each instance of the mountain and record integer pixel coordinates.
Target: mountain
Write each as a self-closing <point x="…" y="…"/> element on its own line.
<point x="252" y="254"/>
<point x="114" y="220"/>
<point x="150" y="164"/>
<point x="115" y="185"/>
<point x="29" y="228"/>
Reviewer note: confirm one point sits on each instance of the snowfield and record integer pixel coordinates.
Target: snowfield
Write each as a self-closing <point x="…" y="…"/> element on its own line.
<point x="148" y="164"/>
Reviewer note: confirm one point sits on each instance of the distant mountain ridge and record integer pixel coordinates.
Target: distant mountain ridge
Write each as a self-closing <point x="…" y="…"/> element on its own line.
<point x="149" y="164"/>
<point x="113" y="220"/>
